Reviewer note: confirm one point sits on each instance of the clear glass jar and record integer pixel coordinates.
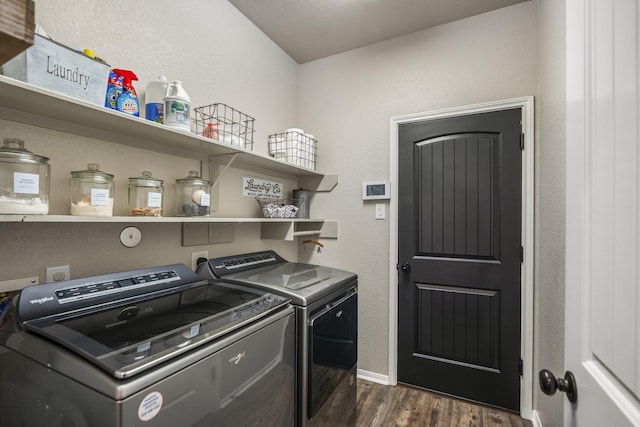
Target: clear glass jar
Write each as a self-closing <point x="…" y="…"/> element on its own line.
<point x="91" y="192"/>
<point x="193" y="196"/>
<point x="24" y="180"/>
<point x="145" y="195"/>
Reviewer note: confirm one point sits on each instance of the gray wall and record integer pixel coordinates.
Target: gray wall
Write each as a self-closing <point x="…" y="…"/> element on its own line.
<point x="220" y="57"/>
<point x="550" y="202"/>
<point x="347" y="100"/>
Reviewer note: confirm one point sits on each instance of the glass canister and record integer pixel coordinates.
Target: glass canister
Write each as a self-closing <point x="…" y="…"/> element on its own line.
<point x="145" y="195"/>
<point x="193" y="196"/>
<point x="91" y="192"/>
<point x="24" y="180"/>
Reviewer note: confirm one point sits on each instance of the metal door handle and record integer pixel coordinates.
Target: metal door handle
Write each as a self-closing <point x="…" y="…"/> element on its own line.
<point x="405" y="268"/>
<point x="350" y="294"/>
<point x="549" y="384"/>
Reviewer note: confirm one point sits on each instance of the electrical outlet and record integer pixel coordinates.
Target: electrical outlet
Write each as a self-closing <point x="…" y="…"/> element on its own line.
<point x="58" y="274"/>
<point x="195" y="256"/>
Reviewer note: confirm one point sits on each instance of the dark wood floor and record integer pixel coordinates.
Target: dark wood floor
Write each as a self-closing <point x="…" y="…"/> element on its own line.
<point x="380" y="405"/>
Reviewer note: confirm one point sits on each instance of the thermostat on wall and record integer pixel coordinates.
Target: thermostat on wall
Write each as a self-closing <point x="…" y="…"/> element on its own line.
<point x="376" y="190"/>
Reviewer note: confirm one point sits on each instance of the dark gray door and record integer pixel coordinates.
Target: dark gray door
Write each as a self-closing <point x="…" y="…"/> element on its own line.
<point x="459" y="256"/>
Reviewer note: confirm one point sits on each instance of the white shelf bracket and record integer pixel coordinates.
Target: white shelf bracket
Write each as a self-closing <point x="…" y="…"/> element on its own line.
<point x="324" y="183"/>
<point x="230" y="161"/>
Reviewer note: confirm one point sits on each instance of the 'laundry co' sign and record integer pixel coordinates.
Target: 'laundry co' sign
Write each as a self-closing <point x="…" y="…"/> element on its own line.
<point x="252" y="187"/>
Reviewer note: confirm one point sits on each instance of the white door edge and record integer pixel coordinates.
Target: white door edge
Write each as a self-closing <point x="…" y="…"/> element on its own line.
<point x="527" y="105"/>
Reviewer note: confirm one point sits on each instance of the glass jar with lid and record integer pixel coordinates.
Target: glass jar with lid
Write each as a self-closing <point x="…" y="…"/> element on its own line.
<point x="91" y="192"/>
<point x="145" y="195"/>
<point x="24" y="180"/>
<point x="193" y="196"/>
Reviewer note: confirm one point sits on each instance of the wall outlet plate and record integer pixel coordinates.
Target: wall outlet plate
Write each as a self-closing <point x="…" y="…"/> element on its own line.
<point x="57" y="274"/>
<point x="195" y="256"/>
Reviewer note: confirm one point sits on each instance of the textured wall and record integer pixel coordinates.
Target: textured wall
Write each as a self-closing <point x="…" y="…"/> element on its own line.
<point x="550" y="199"/>
<point x="347" y="100"/>
<point x="220" y="57"/>
<point x="94" y="248"/>
<point x="213" y="49"/>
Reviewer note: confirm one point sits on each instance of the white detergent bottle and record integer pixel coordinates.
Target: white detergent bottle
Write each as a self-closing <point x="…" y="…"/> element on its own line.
<point x="154" y="94"/>
<point x="177" y="107"/>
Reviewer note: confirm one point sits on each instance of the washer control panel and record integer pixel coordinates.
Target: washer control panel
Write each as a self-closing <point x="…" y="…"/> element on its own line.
<point x="93" y="289"/>
<point x="100" y="291"/>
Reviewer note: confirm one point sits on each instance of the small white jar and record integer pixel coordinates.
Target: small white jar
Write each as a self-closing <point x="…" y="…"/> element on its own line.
<point x="91" y="192"/>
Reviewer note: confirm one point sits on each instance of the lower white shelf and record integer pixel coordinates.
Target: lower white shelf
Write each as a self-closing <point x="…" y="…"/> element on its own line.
<point x="222" y="230"/>
<point x="202" y="230"/>
<point x="149" y="219"/>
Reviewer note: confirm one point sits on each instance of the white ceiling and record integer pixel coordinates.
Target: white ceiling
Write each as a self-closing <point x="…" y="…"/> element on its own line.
<point x="313" y="29"/>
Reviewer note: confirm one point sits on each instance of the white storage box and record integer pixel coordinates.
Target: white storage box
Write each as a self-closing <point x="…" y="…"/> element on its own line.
<point x="52" y="66"/>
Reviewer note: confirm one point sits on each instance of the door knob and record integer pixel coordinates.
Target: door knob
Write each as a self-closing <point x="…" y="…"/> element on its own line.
<point x="405" y="267"/>
<point x="549" y="384"/>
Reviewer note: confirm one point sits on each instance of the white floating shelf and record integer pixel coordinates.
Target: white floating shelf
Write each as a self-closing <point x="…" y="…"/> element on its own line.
<point x="24" y="103"/>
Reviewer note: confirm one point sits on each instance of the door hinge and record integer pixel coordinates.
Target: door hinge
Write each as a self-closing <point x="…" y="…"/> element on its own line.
<point x="521" y="368"/>
<point x="521" y="254"/>
<point x="522" y="141"/>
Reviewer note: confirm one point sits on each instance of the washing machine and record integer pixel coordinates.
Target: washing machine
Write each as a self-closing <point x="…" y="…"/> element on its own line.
<point x="155" y="347"/>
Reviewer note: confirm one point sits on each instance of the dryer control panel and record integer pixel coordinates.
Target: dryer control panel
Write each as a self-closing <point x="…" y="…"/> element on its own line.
<point x="223" y="266"/>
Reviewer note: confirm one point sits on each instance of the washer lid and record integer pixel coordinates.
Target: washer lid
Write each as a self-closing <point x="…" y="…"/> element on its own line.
<point x="302" y="283"/>
<point x="129" y="322"/>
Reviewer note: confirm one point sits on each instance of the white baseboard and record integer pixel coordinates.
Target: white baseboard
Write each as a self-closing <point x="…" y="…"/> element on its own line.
<point x="373" y="377"/>
<point x="535" y="419"/>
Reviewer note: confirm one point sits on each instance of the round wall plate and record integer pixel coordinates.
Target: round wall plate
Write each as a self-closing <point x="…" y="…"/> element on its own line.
<point x="131" y="237"/>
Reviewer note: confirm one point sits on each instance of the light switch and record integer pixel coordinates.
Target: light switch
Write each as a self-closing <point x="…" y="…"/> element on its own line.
<point x="380" y="211"/>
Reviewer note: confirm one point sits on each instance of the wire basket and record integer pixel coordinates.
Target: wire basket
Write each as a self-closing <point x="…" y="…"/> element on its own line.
<point x="294" y="147"/>
<point x="276" y="207"/>
<point x="225" y="124"/>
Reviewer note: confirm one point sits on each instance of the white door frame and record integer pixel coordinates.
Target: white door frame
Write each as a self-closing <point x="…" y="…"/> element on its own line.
<point x="527" y="105"/>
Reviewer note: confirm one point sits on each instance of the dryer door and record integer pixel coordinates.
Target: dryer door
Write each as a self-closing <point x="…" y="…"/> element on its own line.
<point x="333" y="353"/>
